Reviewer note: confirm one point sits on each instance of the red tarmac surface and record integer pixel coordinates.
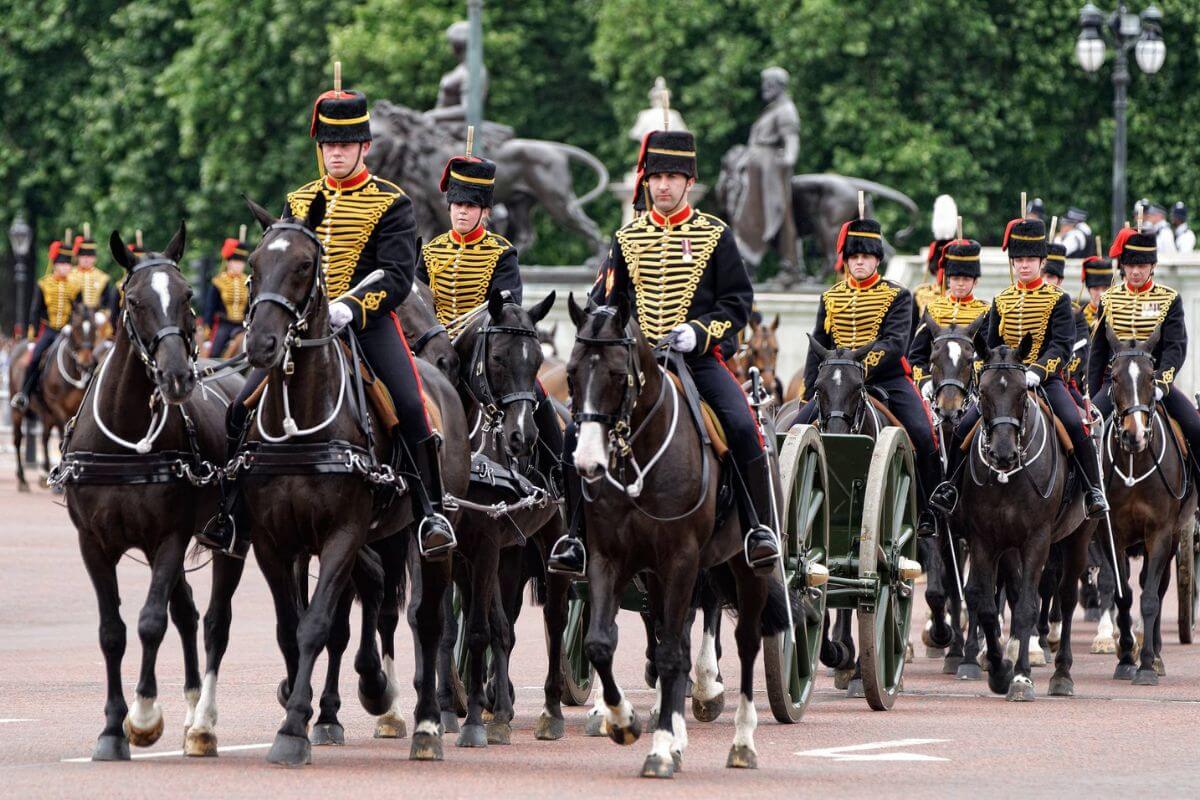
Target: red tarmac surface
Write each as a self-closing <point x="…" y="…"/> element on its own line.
<point x="1112" y="739"/>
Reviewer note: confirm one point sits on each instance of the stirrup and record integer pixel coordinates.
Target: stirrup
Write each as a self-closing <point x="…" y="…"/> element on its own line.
<point x="235" y="548"/>
<point x="944" y="497"/>
<point x="762" y="564"/>
<point x="553" y="555"/>
<point x="439" y="552"/>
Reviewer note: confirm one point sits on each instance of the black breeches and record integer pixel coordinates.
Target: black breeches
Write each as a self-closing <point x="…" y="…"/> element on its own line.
<point x="44" y="342"/>
<point x="222" y="333"/>
<point x="724" y="395"/>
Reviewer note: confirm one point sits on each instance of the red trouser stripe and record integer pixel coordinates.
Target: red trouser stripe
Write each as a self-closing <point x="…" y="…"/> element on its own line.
<point x="413" y="366"/>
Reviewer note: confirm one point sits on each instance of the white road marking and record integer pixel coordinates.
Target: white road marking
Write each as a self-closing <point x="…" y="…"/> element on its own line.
<point x="16" y="719"/>
<point x="225" y="748"/>
<point x="856" y="752"/>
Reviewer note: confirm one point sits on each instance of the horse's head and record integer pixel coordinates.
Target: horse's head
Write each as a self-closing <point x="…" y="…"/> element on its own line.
<point x="158" y="317"/>
<point x="1132" y="382"/>
<point x="546" y="340"/>
<point x="1004" y="402"/>
<point x="503" y="367"/>
<point x="840" y="387"/>
<point x="762" y="351"/>
<point x="81" y="342"/>
<point x="605" y="378"/>
<point x="952" y="366"/>
<point x="426" y="336"/>
<point x="287" y="294"/>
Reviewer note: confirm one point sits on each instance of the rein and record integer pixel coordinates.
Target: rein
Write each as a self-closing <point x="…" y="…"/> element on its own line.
<point x="856" y="421"/>
<point x="982" y="442"/>
<point x="85" y="375"/>
<point x="1154" y="422"/>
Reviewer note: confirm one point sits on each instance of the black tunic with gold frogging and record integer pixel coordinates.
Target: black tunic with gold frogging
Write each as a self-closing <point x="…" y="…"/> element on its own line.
<point x="463" y="270"/>
<point x="1043" y="312"/>
<point x="1133" y="316"/>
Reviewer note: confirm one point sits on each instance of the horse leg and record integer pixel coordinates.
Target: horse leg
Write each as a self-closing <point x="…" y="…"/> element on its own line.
<point x="328" y="730"/>
<point x="201" y="738"/>
<point x="673" y="607"/>
<point x="753" y="594"/>
<point x="112" y="744"/>
<point x="981" y="596"/>
<point x="937" y="635"/>
<point x="955" y="607"/>
<point x="186" y="619"/>
<point x="499" y="729"/>
<point x="445" y="663"/>
<point x="845" y="670"/>
<point x="708" y="693"/>
<point x="551" y="725"/>
<point x="390" y="724"/>
<point x="1039" y="645"/>
<point x="484" y="563"/>
<point x="1159" y="551"/>
<point x="1074" y="563"/>
<point x="651" y="671"/>
<point x="1125" y="642"/>
<point x="601" y="644"/>
<point x="1025" y="612"/>
<point x="144" y="723"/>
<point x="430" y="580"/>
<point x="18" y="425"/>
<point x="47" y="429"/>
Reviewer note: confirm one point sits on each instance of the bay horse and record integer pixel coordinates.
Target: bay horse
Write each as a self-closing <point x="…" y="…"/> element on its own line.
<point x="69" y="364"/>
<point x="139" y="468"/>
<point x="1153" y="498"/>
<point x="761" y="350"/>
<point x="1016" y="470"/>
<point x="663" y="525"/>
<point x="319" y="500"/>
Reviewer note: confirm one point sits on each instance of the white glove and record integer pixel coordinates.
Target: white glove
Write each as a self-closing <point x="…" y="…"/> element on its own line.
<point x="927" y="391"/>
<point x="684" y="338"/>
<point x="340" y="315"/>
<point x="1158" y="393"/>
<point x="101" y="318"/>
<point x="1032" y="379"/>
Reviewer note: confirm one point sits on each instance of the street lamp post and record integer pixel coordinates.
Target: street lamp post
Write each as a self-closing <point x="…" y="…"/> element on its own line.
<point x="1140" y="33"/>
<point x="475" y="64"/>
<point x="20" y="237"/>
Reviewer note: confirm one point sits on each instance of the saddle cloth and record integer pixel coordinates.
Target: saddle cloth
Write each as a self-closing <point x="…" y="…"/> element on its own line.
<point x="716" y="434"/>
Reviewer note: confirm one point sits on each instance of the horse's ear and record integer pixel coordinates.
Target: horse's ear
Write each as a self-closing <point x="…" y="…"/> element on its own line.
<point x="775" y="323"/>
<point x="265" y="218"/>
<point x="316" y="212"/>
<point x="623" y="311"/>
<point x="120" y="252"/>
<point x="539" y="312"/>
<point x="816" y="347"/>
<point x="174" y="250"/>
<point x="935" y="330"/>
<point x="976" y="326"/>
<point x="495" y="304"/>
<point x="578" y="315"/>
<point x="1025" y="347"/>
<point x="1151" y="343"/>
<point x="862" y="352"/>
<point x="1114" y="343"/>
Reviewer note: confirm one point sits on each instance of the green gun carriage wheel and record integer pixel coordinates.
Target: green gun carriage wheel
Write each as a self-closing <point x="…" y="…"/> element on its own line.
<point x="576" y="669"/>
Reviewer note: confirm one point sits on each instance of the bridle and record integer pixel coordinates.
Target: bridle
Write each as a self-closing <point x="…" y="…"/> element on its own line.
<point x="299" y="314"/>
<point x="425" y="338"/>
<point x="144" y="350"/>
<point x="478" y="382"/>
<point x="853" y="421"/>
<point x="618" y="423"/>
<point x="990" y="424"/>
<point x="1137" y="408"/>
<point x="966" y="387"/>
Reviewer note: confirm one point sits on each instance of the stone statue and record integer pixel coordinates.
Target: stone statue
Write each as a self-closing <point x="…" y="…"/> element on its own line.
<point x="651" y="119"/>
<point x="763" y="216"/>
<point x="452" y="91"/>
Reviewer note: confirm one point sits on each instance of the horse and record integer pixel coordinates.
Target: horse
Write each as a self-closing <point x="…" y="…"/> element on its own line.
<point x="761" y="350"/>
<point x="69" y="364"/>
<point x="320" y="498"/>
<point x="1153" y="499"/>
<point x="663" y="525"/>
<point x="133" y="483"/>
<point x="1015" y="468"/>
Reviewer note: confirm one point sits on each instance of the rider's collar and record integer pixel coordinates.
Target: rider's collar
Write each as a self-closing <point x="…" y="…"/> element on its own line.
<point x="676" y="218"/>
<point x="470" y="238"/>
<point x="865" y="283"/>
<point x="962" y="300"/>
<point x="1036" y="283"/>
<point x="353" y="182"/>
<point x="1145" y="287"/>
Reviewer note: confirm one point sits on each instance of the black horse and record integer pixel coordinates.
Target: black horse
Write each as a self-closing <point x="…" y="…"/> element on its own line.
<point x="147" y="484"/>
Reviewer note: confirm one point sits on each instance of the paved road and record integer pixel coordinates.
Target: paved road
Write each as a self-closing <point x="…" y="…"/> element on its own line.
<point x="943" y="738"/>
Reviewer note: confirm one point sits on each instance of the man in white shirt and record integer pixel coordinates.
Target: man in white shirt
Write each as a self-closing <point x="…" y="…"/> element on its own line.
<point x="1185" y="237"/>
<point x="1075" y="235"/>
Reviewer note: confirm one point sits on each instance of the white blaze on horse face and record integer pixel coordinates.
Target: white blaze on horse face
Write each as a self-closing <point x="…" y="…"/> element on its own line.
<point x="161" y="283"/>
<point x="281" y="244"/>
<point x="87" y="328"/>
<point x="837" y="377"/>
<point x="954" y="351"/>
<point x="590" y="450"/>
<point x="1139" y="429"/>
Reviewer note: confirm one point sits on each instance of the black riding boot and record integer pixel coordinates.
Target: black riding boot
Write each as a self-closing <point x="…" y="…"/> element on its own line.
<point x="1093" y="495"/>
<point x="929" y="468"/>
<point x="569" y="554"/>
<point x="762" y="543"/>
<point x="435" y="535"/>
<point x="228" y="531"/>
<point x="20" y="400"/>
<point x="944" y="497"/>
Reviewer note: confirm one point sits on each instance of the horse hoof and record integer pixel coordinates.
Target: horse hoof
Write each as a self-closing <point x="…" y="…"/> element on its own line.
<point x="327" y="733"/>
<point x="390" y="726"/>
<point x="200" y="744"/>
<point x="499" y="733"/>
<point x="999" y="681"/>
<point x="628" y="734"/>
<point x="594" y="724"/>
<point x="1145" y="677"/>
<point x="472" y="735"/>
<point x="650" y="674"/>
<point x="1037" y="657"/>
<point x="855" y="689"/>
<point x="1103" y="645"/>
<point x="449" y="722"/>
<point x="707" y="710"/>
<point x="951" y="664"/>
<point x="1020" y="690"/>
<point x="425" y="747"/>
<point x="658" y="767"/>
<point x="144" y="737"/>
<point x="841" y="678"/>
<point x="549" y="728"/>
<point x="934" y="652"/>
<point x="290" y="751"/>
<point x="1124" y="672"/>
<point x="375" y="695"/>
<point x="741" y="757"/>
<point x="282" y="693"/>
<point x="111" y="748"/>
<point x="1159" y="668"/>
<point x="969" y="671"/>
<point x="1061" y="686"/>
<point x="24" y="488"/>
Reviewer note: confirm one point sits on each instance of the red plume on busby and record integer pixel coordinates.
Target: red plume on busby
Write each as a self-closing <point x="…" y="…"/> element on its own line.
<point x="1024" y="238"/>
<point x="229" y="248"/>
<point x="1132" y="246"/>
<point x="55" y="248"/>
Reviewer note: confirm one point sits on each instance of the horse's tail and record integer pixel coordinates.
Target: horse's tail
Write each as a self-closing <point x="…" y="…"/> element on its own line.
<point x="372" y="566"/>
<point x="896" y="196"/>
<point x="774" y="618"/>
<point x="588" y="160"/>
<point x="775" y="613"/>
<point x="536" y="570"/>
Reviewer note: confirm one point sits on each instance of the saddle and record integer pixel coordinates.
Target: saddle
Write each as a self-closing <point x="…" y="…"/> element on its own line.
<point x="712" y="425"/>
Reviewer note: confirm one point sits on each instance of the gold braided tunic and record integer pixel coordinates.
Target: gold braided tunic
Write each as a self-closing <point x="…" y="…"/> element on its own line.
<point x="234" y="294"/>
<point x="91" y="284"/>
<point x="945" y="310"/>
<point x="462" y="270"/>
<point x="875" y="314"/>
<point x="1043" y="312"/>
<point x="1134" y="315"/>
<point x="55" y="301"/>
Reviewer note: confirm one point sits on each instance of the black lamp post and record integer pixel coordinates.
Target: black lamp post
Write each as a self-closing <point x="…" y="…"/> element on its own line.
<point x="20" y="237"/>
<point x="1140" y="33"/>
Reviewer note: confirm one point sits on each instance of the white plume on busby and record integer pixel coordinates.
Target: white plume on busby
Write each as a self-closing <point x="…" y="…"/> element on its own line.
<point x="945" y="217"/>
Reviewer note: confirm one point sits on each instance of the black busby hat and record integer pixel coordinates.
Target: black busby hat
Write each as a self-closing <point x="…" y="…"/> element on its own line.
<point x="1134" y="247"/>
<point x="1024" y="238"/>
<point x="860" y="236"/>
<point x="961" y="257"/>
<point x="85" y="245"/>
<point x="1097" y="271"/>
<point x="59" y="254"/>
<point x="468" y="179"/>
<point x="668" y="151"/>
<point x="1056" y="260"/>
<point x="340" y="116"/>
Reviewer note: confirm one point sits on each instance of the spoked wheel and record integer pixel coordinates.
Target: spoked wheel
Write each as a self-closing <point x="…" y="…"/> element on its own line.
<point x="791" y="657"/>
<point x="1187" y="566"/>
<point x="888" y="535"/>
<point x="576" y="669"/>
<point x="460" y="666"/>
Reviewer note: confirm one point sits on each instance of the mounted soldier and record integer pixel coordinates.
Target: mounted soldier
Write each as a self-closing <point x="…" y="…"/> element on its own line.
<point x="1133" y="310"/>
<point x="1037" y="309"/>
<point x="958" y="272"/>
<point x="367" y="227"/>
<point x="96" y="290"/>
<point x="53" y="299"/>
<point x="945" y="217"/>
<point x="868" y="312"/>
<point x="686" y="281"/>
<point x="228" y="296"/>
<point x="1097" y="278"/>
<point x="1054" y="273"/>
